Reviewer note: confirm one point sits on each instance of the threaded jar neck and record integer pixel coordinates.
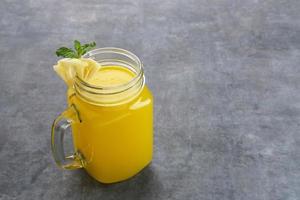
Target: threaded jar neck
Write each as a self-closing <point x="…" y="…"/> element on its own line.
<point x="117" y="94"/>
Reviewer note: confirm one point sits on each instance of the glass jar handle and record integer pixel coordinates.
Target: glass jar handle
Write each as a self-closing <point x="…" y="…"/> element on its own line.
<point x="59" y="129"/>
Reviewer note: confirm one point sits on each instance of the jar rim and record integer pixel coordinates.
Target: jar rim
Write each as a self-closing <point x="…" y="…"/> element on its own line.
<point x="117" y="94"/>
<point x="120" y="51"/>
<point x="106" y="88"/>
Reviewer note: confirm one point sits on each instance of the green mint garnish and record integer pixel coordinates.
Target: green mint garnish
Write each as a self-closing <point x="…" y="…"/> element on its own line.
<point x="78" y="51"/>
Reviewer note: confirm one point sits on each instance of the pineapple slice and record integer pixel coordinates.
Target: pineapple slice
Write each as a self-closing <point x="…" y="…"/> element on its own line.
<point x="68" y="68"/>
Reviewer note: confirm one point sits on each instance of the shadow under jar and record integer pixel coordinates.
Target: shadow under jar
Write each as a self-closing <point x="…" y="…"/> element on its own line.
<point x="112" y="126"/>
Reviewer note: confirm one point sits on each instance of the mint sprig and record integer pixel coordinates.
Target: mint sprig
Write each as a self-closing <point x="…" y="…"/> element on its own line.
<point x="78" y="51"/>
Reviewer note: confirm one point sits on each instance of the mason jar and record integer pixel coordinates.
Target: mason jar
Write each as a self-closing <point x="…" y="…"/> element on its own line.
<point x="112" y="126"/>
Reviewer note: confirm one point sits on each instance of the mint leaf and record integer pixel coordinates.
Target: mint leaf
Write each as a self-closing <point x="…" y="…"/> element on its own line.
<point x="79" y="50"/>
<point x="88" y="47"/>
<point x="66" y="52"/>
<point x="77" y="47"/>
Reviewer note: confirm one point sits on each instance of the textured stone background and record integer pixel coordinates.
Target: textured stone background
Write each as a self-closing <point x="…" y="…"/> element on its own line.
<point x="226" y="80"/>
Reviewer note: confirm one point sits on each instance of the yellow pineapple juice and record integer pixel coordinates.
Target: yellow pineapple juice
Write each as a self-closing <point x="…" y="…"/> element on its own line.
<point x="115" y="141"/>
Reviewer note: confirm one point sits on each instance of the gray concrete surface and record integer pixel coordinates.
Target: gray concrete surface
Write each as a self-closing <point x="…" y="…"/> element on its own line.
<point x="226" y="81"/>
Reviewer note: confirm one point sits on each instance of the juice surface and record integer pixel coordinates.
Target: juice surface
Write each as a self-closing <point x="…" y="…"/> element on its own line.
<point x="110" y="76"/>
<point x="116" y="141"/>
